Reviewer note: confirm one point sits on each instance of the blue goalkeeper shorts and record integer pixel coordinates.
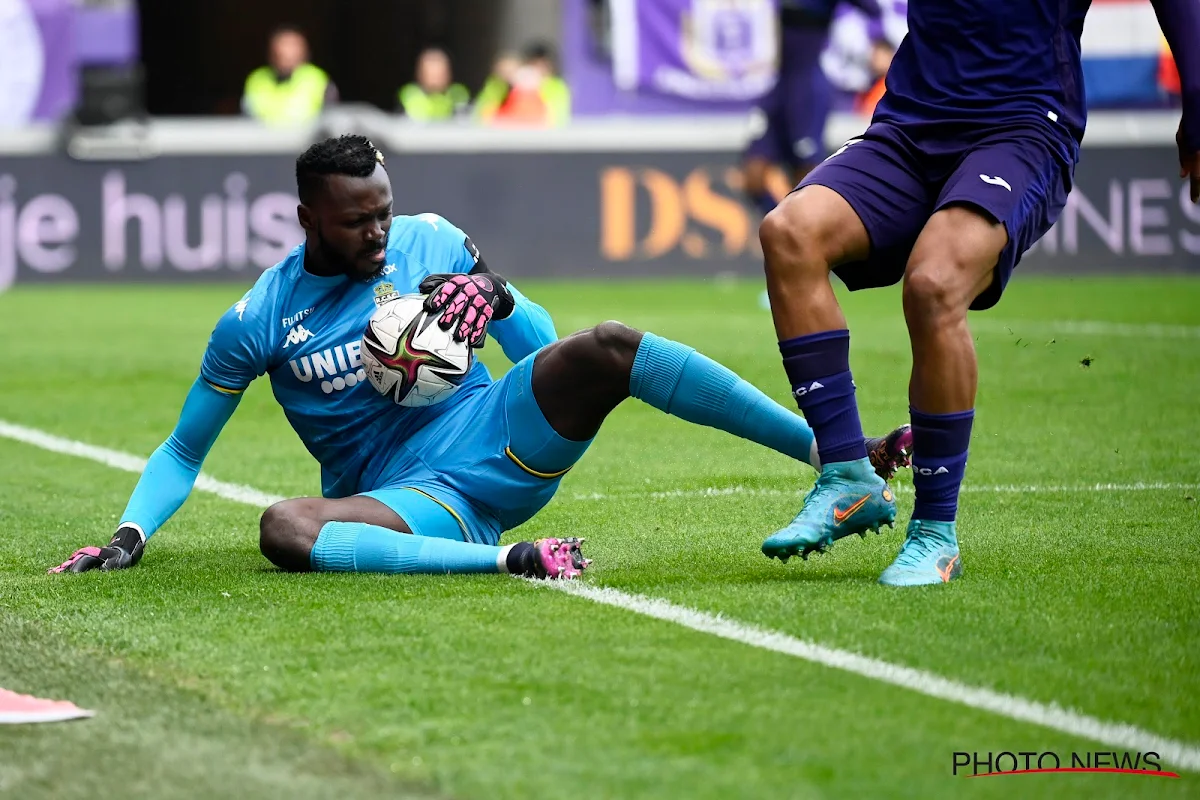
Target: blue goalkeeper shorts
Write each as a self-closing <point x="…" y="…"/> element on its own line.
<point x="483" y="468"/>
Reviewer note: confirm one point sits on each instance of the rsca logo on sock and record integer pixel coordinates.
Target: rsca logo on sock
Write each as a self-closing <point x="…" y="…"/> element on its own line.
<point x="928" y="471"/>
<point x="801" y="391"/>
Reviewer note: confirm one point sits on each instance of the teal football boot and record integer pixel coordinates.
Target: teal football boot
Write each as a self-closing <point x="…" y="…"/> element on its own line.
<point x="929" y="555"/>
<point x="847" y="498"/>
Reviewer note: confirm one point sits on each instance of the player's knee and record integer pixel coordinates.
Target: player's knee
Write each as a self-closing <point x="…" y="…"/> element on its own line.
<point x="933" y="293"/>
<point x="281" y="534"/>
<point x="792" y="241"/>
<point x="613" y="346"/>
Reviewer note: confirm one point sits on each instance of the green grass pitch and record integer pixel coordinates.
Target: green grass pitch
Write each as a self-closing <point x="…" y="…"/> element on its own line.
<point x="214" y="675"/>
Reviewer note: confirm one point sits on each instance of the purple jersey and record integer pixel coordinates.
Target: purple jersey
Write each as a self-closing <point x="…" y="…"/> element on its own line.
<point x="983" y="63"/>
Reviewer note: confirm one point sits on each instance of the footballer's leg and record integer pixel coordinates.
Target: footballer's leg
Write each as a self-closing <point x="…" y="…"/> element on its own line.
<point x="1003" y="197"/>
<point x="852" y="214"/>
<point x="579" y="380"/>
<point x="765" y="152"/>
<point x="364" y="534"/>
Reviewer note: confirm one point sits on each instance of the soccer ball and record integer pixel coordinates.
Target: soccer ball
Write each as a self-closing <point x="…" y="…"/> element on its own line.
<point x="408" y="357"/>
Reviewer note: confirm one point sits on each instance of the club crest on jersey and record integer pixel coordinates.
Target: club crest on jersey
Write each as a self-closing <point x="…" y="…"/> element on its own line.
<point x="297" y="335"/>
<point x="385" y="292"/>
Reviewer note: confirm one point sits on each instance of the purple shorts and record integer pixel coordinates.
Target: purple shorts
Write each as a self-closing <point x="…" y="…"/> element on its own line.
<point x="1018" y="176"/>
<point x="795" y="110"/>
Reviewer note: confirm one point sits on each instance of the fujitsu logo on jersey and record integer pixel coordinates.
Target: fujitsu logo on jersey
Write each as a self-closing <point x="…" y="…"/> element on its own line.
<point x="336" y="368"/>
<point x="297" y="317"/>
<point x="297" y="335"/>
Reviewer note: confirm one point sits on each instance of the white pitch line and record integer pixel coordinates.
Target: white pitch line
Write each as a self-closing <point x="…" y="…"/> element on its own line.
<point x="902" y="488"/>
<point x="130" y="463"/>
<point x="1012" y="707"/>
<point x="1089" y="328"/>
<point x="1044" y="715"/>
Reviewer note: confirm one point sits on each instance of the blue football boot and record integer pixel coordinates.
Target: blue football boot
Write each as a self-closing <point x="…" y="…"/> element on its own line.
<point x="847" y="498"/>
<point x="929" y="555"/>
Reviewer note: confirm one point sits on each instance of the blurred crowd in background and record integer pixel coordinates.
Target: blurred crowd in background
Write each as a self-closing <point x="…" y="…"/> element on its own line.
<point x="524" y="88"/>
<point x="87" y="59"/>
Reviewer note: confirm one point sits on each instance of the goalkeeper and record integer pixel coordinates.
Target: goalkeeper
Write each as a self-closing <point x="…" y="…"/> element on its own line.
<point x="424" y="490"/>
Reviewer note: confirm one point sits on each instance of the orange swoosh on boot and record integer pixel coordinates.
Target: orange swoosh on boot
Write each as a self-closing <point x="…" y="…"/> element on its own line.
<point x="840" y="516"/>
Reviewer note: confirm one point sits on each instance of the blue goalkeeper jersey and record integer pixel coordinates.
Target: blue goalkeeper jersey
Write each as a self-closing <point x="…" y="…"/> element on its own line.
<point x="303" y="331"/>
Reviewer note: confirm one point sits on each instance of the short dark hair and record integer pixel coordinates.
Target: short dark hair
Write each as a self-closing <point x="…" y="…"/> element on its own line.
<point x="537" y="51"/>
<point x="351" y="154"/>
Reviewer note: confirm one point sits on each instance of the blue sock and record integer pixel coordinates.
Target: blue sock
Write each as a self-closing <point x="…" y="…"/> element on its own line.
<point x="359" y="547"/>
<point x="676" y="379"/>
<point x="939" y="457"/>
<point x="818" y="366"/>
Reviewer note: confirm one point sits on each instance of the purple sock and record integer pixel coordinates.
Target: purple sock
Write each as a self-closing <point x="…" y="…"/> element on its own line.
<point x="940" y="444"/>
<point x="818" y="365"/>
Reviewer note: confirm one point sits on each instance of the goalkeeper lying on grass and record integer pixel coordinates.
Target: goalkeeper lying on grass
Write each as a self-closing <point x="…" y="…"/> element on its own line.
<point x="425" y="490"/>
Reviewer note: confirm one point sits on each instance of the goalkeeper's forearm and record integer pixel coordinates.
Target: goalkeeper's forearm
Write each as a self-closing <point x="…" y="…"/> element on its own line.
<point x="171" y="471"/>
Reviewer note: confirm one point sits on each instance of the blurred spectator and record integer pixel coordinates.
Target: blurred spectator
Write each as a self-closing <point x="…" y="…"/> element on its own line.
<point x="289" y="90"/>
<point x="434" y="95"/>
<point x="532" y="94"/>
<point x="495" y="88"/>
<point x="881" y="58"/>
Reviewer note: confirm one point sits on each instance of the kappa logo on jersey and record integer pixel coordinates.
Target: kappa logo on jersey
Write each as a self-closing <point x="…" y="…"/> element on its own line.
<point x="297" y="335"/>
<point x="385" y="292"/>
<point x="297" y="317"/>
<point x="928" y="471"/>
<point x="994" y="180"/>
<point x="336" y="368"/>
<point x="803" y="390"/>
<point x="240" y="308"/>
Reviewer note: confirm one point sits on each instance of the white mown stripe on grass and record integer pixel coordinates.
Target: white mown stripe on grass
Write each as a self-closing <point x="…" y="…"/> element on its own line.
<point x="1047" y="716"/>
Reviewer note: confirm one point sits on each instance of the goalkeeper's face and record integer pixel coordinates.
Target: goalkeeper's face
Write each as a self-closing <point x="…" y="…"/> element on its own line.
<point x="349" y="222"/>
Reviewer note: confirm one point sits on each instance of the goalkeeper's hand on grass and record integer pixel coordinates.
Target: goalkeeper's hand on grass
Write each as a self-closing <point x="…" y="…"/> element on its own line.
<point x="125" y="550"/>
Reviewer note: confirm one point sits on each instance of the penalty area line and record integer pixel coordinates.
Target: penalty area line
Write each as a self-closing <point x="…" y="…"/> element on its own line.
<point x="1051" y="716"/>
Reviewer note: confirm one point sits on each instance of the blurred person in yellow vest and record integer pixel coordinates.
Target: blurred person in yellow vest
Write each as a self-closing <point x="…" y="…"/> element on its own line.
<point x="495" y="88"/>
<point x="535" y="95"/>
<point x="289" y="90"/>
<point x="433" y="95"/>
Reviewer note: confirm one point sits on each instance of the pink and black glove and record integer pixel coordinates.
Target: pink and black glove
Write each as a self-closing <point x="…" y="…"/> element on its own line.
<point x="124" y="551"/>
<point x="467" y="303"/>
